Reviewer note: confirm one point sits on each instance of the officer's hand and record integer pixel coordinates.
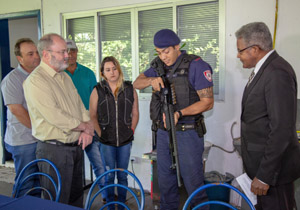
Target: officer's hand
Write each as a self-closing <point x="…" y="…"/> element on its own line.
<point x="176" y="117"/>
<point x="259" y="188"/>
<point x="164" y="119"/>
<point x="157" y="83"/>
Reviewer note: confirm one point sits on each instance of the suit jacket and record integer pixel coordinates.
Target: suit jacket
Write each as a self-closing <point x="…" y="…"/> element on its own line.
<point x="270" y="148"/>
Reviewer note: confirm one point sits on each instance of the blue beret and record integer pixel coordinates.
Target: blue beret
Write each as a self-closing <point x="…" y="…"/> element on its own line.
<point x="165" y="38"/>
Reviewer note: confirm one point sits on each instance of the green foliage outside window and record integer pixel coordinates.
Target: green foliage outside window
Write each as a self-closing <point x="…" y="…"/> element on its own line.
<point x="211" y="49"/>
<point x="197" y="26"/>
<point x="86" y="49"/>
<point x="121" y="50"/>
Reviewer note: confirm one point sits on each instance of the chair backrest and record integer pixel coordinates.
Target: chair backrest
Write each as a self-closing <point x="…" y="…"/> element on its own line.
<point x="203" y="187"/>
<point x="140" y="204"/>
<point x="21" y="180"/>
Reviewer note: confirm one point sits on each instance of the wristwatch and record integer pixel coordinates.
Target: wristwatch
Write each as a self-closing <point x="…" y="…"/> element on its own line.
<point x="180" y="114"/>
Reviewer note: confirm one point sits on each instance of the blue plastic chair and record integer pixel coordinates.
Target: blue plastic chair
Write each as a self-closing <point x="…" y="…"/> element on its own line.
<point x="21" y="180"/>
<point x="89" y="201"/>
<point x="203" y="187"/>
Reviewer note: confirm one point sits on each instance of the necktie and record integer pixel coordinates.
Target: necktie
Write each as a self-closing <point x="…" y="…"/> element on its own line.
<point x="251" y="77"/>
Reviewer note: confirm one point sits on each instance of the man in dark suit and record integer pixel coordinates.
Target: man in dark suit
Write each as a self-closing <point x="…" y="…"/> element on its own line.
<point x="270" y="148"/>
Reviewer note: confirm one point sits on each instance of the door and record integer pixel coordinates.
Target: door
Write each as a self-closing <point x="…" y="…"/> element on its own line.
<point x="4" y="70"/>
<point x="12" y="27"/>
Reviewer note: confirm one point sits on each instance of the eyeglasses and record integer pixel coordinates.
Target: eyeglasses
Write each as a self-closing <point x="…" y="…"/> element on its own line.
<point x="62" y="52"/>
<point x="240" y="51"/>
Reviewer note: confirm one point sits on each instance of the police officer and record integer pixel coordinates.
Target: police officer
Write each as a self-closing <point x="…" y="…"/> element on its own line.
<point x="192" y="79"/>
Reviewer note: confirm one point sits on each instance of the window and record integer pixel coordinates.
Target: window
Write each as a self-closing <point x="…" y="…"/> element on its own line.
<point x="127" y="34"/>
<point x="198" y="28"/>
<point x="147" y="27"/>
<point x="115" y="40"/>
<point x="82" y="31"/>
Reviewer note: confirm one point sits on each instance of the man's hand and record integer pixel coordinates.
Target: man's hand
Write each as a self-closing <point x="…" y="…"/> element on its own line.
<point x="156" y="83"/>
<point x="259" y="188"/>
<point x="84" y="140"/>
<point x="86" y="127"/>
<point x="89" y="128"/>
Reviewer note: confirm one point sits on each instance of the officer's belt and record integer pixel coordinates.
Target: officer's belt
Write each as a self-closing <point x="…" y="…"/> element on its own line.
<point x="181" y="127"/>
<point x="184" y="127"/>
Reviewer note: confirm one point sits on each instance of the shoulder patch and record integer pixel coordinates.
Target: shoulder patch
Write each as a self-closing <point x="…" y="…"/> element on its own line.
<point x="208" y="75"/>
<point x="198" y="59"/>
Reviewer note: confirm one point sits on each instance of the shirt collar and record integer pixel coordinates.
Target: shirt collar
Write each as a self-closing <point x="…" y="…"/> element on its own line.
<point x="181" y="54"/>
<point x="48" y="69"/>
<point x="261" y="62"/>
<point x="20" y="68"/>
<point x="77" y="67"/>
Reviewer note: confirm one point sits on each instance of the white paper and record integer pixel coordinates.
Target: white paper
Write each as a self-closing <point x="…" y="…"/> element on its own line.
<point x="245" y="183"/>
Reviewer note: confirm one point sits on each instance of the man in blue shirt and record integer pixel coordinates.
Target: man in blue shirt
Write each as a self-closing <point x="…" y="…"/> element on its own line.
<point x="191" y="78"/>
<point x="84" y="80"/>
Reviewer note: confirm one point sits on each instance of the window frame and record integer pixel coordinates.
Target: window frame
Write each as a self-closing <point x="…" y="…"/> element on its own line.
<point x="134" y="10"/>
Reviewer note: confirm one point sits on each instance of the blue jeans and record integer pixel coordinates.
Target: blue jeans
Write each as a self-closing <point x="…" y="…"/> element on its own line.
<point x="22" y="155"/>
<point x="94" y="154"/>
<point x="116" y="157"/>
<point x="190" y="149"/>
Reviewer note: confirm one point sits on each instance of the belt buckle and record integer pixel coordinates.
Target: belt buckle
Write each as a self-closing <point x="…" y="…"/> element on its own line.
<point x="51" y="142"/>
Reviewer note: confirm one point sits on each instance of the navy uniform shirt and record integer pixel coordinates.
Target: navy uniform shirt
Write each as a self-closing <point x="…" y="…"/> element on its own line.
<point x="200" y="73"/>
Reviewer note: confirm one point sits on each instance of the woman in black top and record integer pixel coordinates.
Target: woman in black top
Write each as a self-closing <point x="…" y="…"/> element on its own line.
<point x="114" y="112"/>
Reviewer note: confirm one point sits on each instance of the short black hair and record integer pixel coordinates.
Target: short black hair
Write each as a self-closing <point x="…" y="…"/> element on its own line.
<point x="18" y="45"/>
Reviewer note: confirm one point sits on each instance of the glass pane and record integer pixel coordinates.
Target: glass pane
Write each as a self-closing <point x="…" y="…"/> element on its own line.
<point x="151" y="21"/>
<point x="198" y="28"/>
<point x="81" y="30"/>
<point x="115" y="36"/>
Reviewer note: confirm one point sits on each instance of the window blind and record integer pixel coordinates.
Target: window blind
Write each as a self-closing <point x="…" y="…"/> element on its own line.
<point x="198" y="27"/>
<point x="149" y="22"/>
<point x="115" y="40"/>
<point x="82" y="31"/>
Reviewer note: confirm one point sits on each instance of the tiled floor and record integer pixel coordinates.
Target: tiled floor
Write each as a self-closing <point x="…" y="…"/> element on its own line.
<point x="7" y="179"/>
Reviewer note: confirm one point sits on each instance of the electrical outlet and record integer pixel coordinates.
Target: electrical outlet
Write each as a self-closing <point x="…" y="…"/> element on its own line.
<point x="133" y="159"/>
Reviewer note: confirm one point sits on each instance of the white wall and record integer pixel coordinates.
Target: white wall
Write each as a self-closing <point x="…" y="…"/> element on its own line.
<point x="12" y="6"/>
<point x="219" y="120"/>
<point x="21" y="28"/>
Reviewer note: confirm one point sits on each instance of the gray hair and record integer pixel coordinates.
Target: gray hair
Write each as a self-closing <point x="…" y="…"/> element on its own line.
<point x="17" y="49"/>
<point x="256" y="33"/>
<point x="46" y="42"/>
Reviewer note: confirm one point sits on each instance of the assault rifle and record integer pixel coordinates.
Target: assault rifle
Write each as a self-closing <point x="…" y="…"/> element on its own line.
<point x="169" y="100"/>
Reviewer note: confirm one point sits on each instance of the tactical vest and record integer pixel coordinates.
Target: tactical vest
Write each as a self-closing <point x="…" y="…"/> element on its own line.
<point x="114" y="114"/>
<point x="185" y="93"/>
